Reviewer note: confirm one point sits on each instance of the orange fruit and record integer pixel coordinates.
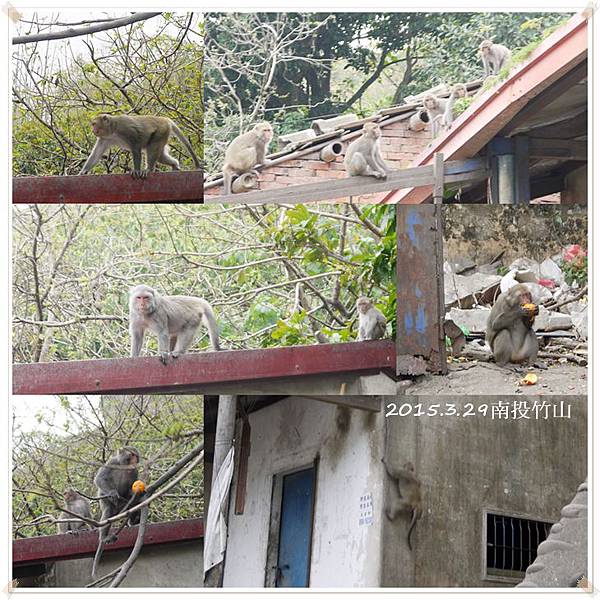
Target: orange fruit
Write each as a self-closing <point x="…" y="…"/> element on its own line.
<point x="138" y="487"/>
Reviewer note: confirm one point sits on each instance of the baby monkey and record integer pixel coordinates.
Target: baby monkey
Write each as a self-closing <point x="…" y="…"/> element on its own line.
<point x="174" y="319"/>
<point x="406" y="495"/>
<point x="371" y="322"/>
<point x="77" y="504"/>
<point x="136" y="133"/>
<point x="363" y="156"/>
<point x="245" y="152"/>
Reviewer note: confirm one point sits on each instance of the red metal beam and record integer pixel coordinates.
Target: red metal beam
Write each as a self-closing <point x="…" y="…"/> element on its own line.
<point x="188" y="372"/>
<point x="558" y="54"/>
<point x="68" y="546"/>
<point x="179" y="186"/>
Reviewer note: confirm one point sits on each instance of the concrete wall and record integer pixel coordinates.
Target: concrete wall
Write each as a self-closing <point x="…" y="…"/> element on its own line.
<point x="289" y="435"/>
<point x="480" y="232"/>
<point x="525" y="467"/>
<point x="168" y="565"/>
<point x="522" y="467"/>
<point x="399" y="147"/>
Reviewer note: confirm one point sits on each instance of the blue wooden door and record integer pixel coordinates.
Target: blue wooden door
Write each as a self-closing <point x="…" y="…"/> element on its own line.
<point x="295" y="533"/>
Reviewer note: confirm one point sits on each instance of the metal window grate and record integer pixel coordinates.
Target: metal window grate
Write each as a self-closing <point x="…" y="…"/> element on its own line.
<point x="511" y="543"/>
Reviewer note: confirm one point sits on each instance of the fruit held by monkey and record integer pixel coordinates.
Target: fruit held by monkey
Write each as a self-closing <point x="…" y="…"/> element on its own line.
<point x="138" y="487"/>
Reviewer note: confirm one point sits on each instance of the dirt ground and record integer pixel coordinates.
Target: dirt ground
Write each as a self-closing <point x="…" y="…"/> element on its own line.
<point x="488" y="378"/>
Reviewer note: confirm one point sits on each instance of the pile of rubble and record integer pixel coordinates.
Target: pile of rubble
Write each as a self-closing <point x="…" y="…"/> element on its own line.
<point x="561" y="326"/>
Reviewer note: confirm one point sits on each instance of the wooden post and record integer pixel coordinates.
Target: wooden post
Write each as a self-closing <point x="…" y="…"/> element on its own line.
<point x="420" y="339"/>
<point x="438" y="178"/>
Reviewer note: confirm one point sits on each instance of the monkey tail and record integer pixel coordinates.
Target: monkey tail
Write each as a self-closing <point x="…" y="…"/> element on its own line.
<point x="180" y="135"/>
<point x="210" y="321"/>
<point x="413" y="522"/>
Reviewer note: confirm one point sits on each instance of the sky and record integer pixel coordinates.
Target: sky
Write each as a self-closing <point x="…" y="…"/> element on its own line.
<point x="25" y="408"/>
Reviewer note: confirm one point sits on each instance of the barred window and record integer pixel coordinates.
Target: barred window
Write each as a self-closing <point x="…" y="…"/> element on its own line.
<point x="511" y="544"/>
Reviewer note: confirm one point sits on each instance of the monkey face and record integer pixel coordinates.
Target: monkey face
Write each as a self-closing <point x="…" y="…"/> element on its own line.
<point x="485" y="46"/>
<point x="363" y="305"/>
<point x="264" y="131"/>
<point x="70" y="495"/>
<point x="101" y="125"/>
<point x="142" y="298"/>
<point x="130" y="456"/>
<point x="430" y="102"/>
<point x="525" y="298"/>
<point x="460" y="91"/>
<point x="518" y="295"/>
<point x="372" y="130"/>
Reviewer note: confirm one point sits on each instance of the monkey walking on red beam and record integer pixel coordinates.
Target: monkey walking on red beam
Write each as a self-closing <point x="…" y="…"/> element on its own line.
<point x="137" y="133"/>
<point x="174" y="319"/>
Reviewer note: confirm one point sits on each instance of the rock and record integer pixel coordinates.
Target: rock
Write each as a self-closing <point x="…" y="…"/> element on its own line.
<point x="474" y="319"/>
<point x="526" y="264"/>
<point x="550" y="270"/>
<point x="539" y="293"/>
<point x="574" y="307"/>
<point x="465" y="288"/>
<point x="580" y="323"/>
<point x="515" y="276"/>
<point x="551" y="321"/>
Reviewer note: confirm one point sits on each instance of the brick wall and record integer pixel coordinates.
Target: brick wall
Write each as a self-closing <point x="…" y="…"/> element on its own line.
<point x="399" y="147"/>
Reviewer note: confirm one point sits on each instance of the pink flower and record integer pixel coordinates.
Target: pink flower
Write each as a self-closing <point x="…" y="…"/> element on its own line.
<point x="574" y="254"/>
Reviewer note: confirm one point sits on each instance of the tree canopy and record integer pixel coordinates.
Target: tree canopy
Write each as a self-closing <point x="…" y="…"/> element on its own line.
<point x="74" y="436"/>
<point x="152" y="67"/>
<point x="275" y="275"/>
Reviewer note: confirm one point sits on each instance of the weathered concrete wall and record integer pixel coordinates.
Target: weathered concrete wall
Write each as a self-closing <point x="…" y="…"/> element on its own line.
<point x="480" y="232"/>
<point x="168" y="565"/>
<point x="525" y="467"/>
<point x="399" y="147"/>
<point x="289" y="435"/>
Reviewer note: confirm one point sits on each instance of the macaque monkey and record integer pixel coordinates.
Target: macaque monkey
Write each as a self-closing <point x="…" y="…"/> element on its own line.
<point x="493" y="57"/>
<point x="136" y="133"/>
<point x="174" y="319"/>
<point x="509" y="327"/>
<point x="440" y="110"/>
<point x="75" y="503"/>
<point x="363" y="156"/>
<point x="435" y="107"/>
<point x="245" y="152"/>
<point x="114" y="480"/>
<point x="406" y="495"/>
<point x="458" y="91"/>
<point x="371" y="323"/>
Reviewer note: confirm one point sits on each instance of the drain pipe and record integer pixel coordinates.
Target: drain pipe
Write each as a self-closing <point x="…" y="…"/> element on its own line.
<point x="331" y="152"/>
<point x="418" y="121"/>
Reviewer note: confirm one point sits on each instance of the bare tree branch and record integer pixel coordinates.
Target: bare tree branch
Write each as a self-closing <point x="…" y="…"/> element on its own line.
<point x="72" y="32"/>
